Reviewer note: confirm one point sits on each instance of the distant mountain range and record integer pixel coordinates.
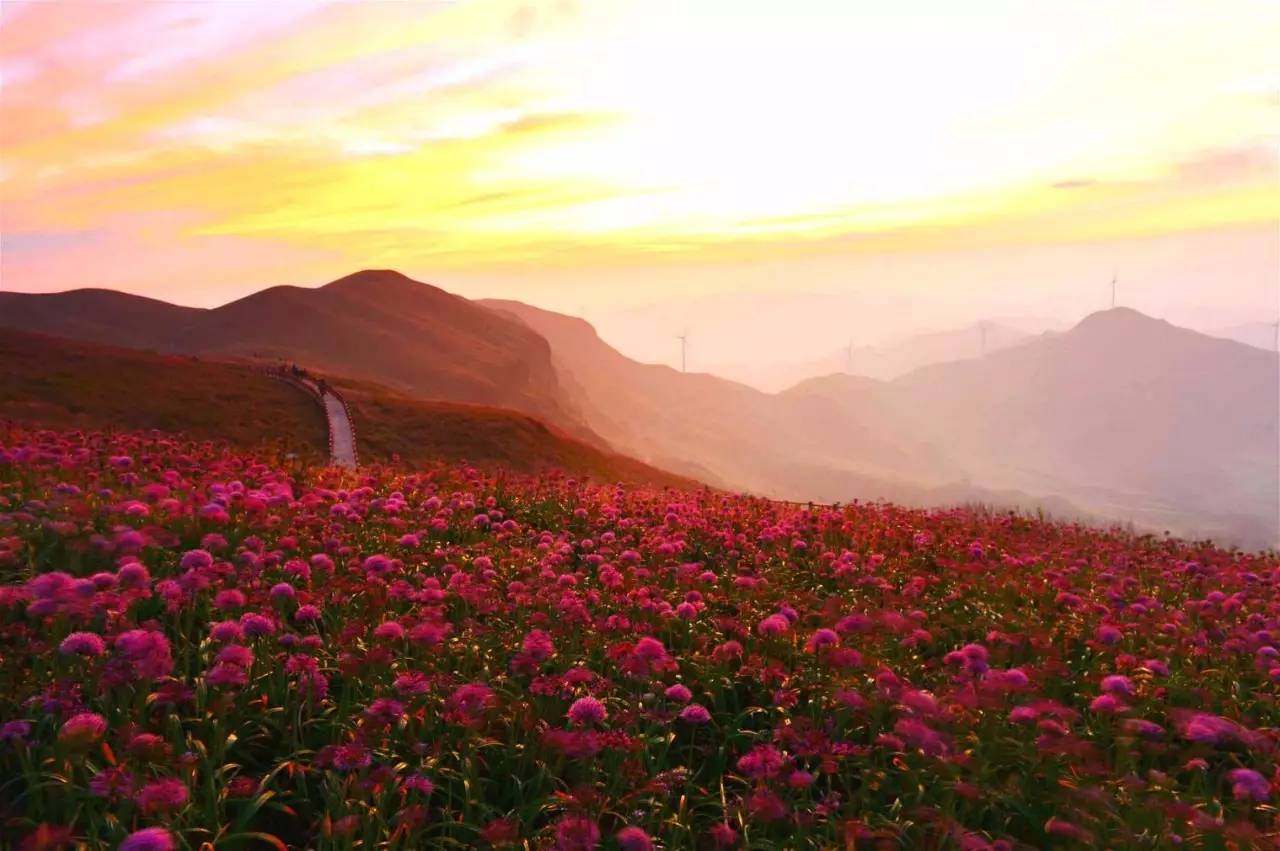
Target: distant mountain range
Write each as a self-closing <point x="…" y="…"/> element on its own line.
<point x="884" y="362"/>
<point x="1121" y="418"/>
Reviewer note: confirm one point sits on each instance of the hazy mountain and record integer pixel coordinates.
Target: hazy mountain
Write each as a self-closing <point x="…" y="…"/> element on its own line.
<point x="885" y="361"/>
<point x="376" y="325"/>
<point x="1260" y="335"/>
<point x="1123" y="417"/>
<point x="1130" y="415"/>
<point x="801" y="445"/>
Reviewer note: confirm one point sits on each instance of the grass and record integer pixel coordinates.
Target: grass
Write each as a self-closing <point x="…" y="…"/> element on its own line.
<point x="62" y="383"/>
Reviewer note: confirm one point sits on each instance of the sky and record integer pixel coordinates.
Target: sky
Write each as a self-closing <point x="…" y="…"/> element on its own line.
<point x="923" y="164"/>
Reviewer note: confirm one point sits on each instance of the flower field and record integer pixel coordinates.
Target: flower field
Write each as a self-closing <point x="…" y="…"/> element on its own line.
<point x="204" y="649"/>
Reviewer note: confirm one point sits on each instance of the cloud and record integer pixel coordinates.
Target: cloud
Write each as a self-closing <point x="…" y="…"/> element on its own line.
<point x="1075" y="183"/>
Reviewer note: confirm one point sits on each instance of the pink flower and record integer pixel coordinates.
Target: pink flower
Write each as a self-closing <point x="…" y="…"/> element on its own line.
<point x="586" y="711"/>
<point x="307" y="613"/>
<point x="538" y="646"/>
<point x="723" y="836"/>
<point x="83" y="730"/>
<point x="1108" y="703"/>
<point x="679" y="692"/>
<point x="161" y="795"/>
<point x="577" y="833"/>
<point x="695" y="713"/>
<point x="773" y="625"/>
<point x="634" y="839"/>
<point x="388" y="631"/>
<point x="472" y="698"/>
<point x="147" y="652"/>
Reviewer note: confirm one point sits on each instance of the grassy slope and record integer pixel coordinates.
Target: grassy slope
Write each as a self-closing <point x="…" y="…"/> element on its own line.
<point x="420" y="431"/>
<point x="68" y="384"/>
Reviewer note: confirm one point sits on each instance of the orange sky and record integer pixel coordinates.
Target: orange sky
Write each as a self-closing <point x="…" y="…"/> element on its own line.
<point x="595" y="155"/>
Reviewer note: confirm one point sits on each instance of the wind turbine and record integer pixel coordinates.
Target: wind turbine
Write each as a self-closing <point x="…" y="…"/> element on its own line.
<point x="684" y="350"/>
<point x="1113" y="290"/>
<point x="848" y="358"/>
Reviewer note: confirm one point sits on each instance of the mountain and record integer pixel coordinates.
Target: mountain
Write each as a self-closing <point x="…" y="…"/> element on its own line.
<point x="1125" y="413"/>
<point x="1122" y="417"/>
<point x="99" y="316"/>
<point x="376" y="325"/>
<point x="63" y="383"/>
<point x="1260" y="335"/>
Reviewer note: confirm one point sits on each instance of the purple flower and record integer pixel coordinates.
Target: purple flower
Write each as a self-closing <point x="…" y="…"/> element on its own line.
<point x="229" y="599"/>
<point x="147" y="652"/>
<point x="149" y="839"/>
<point x="114" y="784"/>
<point x="255" y="625"/>
<point x="586" y="711"/>
<point x="420" y="783"/>
<point x="162" y="795"/>
<point x="1247" y="784"/>
<point x="822" y="638"/>
<point x="1118" y="684"/>
<point x="82" y="644"/>
<point x="15" y="731"/>
<point x="195" y="560"/>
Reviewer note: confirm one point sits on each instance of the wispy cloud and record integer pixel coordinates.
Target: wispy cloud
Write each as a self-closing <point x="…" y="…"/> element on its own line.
<point x="503" y="131"/>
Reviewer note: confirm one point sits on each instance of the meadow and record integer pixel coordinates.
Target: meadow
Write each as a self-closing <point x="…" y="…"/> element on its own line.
<point x="210" y="647"/>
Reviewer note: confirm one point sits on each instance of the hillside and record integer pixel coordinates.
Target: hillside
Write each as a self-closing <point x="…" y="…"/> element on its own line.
<point x="797" y="446"/>
<point x="61" y="383"/>
<point x="99" y="316"/>
<point x="418" y="431"/>
<point x="374" y="325"/>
